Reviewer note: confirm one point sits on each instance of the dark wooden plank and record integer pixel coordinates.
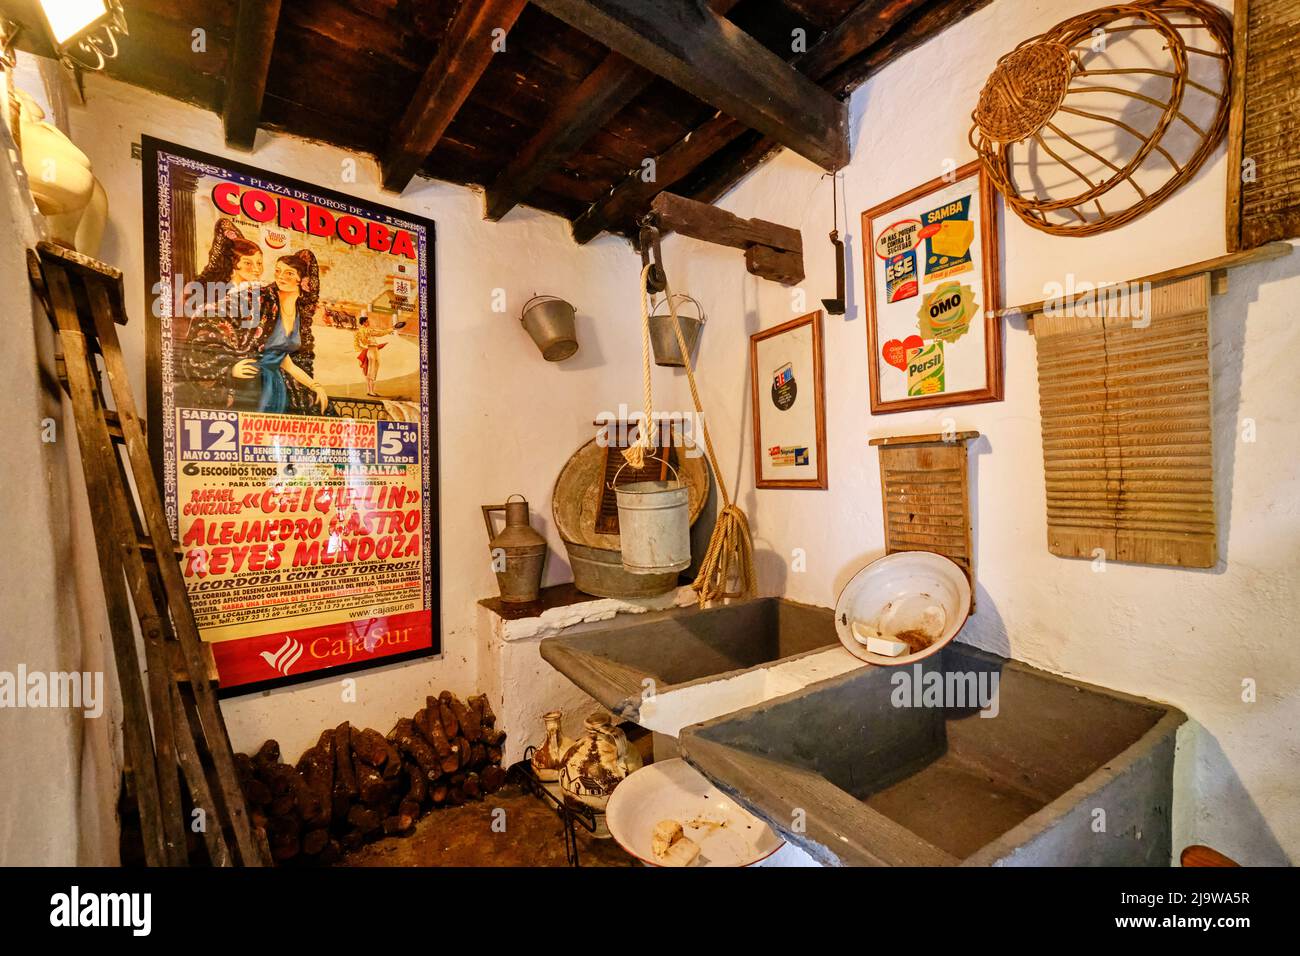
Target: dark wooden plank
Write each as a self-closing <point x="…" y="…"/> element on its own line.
<point x="95" y="447"/>
<point x="870" y="20"/>
<point x="250" y="59"/>
<point x="702" y="221"/>
<point x="778" y="265"/>
<point x="154" y="518"/>
<point x="712" y="58"/>
<point x="591" y="105"/>
<point x="906" y="24"/>
<point x="466" y="51"/>
<point x="632" y="196"/>
<point x="609" y="88"/>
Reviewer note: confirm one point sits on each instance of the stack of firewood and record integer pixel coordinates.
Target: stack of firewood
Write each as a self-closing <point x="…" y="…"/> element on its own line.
<point x="356" y="785"/>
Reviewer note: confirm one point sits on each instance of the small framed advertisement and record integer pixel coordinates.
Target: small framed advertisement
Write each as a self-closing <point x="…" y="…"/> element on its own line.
<point x="930" y="257"/>
<point x="785" y="370"/>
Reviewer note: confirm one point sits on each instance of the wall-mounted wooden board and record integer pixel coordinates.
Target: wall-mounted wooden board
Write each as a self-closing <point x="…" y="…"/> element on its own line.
<point x="1127" y="422"/>
<point x="925" y="491"/>
<point x="1264" y="124"/>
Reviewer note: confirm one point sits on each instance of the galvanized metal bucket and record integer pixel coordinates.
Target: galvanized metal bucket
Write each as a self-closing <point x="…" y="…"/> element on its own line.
<point x="600" y="571"/>
<point x="552" y="324"/>
<point x="654" y="525"/>
<point x="664" y="340"/>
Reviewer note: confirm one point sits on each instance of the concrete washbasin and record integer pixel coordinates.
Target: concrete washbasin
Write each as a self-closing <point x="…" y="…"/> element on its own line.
<point x="856" y="770"/>
<point x="633" y="666"/>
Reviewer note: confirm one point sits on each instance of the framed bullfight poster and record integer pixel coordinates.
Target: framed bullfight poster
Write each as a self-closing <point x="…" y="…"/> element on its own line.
<point x="930" y="257"/>
<point x="788" y="398"/>
<point x="292" y="416"/>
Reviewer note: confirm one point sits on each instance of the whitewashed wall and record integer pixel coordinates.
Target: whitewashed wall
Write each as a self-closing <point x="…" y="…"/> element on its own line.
<point x="58" y="766"/>
<point x="1186" y="637"/>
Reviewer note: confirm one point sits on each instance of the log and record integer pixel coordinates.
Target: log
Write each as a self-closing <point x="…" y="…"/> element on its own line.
<point x="413" y="745"/>
<point x="365" y="820"/>
<point x="314" y="841"/>
<point x="370" y="746"/>
<point x="268" y="755"/>
<point x="345" y="780"/>
<point x="398" y="823"/>
<point x="486" y="717"/>
<point x="493" y="778"/>
<point x="419" y="784"/>
<point x="466" y="717"/>
<point x="450" y="726"/>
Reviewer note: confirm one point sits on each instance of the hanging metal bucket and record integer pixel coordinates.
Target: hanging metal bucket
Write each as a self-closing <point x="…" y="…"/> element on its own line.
<point x="551" y="323"/>
<point x="664" y="340"/>
<point x="654" y="525"/>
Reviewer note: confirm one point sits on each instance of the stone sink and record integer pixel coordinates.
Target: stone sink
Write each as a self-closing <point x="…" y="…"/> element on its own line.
<point x="664" y="670"/>
<point x="854" y="772"/>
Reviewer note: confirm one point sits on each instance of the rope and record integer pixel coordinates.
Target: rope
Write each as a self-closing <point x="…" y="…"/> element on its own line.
<point x="730" y="554"/>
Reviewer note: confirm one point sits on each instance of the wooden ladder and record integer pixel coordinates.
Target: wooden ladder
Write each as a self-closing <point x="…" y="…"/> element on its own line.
<point x="172" y="724"/>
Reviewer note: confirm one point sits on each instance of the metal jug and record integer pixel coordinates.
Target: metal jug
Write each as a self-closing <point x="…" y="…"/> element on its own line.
<point x="518" y="552"/>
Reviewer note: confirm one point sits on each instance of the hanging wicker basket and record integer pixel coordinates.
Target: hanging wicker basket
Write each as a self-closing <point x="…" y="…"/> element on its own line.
<point x="1098" y="120"/>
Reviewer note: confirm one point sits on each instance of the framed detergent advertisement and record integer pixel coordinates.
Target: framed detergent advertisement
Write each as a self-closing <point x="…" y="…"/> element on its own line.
<point x="930" y="257"/>
<point x="788" y="397"/>
<point x="292" y="416"/>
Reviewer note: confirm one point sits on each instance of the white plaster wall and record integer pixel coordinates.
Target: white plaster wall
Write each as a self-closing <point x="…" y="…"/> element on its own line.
<point x="1187" y="637"/>
<point x="58" y="768"/>
<point x="508" y="420"/>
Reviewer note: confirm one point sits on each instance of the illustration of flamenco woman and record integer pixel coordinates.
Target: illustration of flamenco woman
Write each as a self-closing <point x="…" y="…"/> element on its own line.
<point x="232" y="259"/>
<point x="260" y="354"/>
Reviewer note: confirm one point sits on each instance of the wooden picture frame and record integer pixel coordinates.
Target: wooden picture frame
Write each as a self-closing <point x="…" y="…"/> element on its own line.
<point x="799" y="354"/>
<point x="972" y="192"/>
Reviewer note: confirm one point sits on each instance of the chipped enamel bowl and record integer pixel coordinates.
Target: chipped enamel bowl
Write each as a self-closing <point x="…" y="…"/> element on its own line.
<point x="728" y="835"/>
<point x="908" y="591"/>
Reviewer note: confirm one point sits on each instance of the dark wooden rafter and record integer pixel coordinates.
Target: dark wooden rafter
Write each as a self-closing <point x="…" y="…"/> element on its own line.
<point x="465" y="53"/>
<point x="593" y="103"/>
<point x="250" y="59"/>
<point x="903" y="35"/>
<point x="707" y="55"/>
<point x="772" y="251"/>
<point x="873" y="34"/>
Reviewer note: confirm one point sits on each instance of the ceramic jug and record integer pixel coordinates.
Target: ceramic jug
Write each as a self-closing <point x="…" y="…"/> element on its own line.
<point x="600" y="760"/>
<point x="518" y="552"/>
<point x="548" y="758"/>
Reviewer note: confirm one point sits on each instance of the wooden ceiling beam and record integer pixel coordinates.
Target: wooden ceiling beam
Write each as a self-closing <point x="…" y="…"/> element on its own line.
<point x="463" y="55"/>
<point x="865" y="25"/>
<point x="844" y="77"/>
<point x="591" y="106"/>
<point x="614" y="83"/>
<point x="250" y="60"/>
<point x="875" y="33"/>
<point x="707" y="55"/>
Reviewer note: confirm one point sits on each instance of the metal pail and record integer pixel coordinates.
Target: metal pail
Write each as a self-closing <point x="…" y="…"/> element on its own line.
<point x="551" y="323"/>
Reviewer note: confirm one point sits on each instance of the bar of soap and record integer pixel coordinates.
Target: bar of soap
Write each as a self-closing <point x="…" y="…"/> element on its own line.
<point x="666" y="833"/>
<point x="682" y="853"/>
<point x="886" y="647"/>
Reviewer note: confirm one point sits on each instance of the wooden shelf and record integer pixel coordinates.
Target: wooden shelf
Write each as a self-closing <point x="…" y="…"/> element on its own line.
<point x="1218" y="267"/>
